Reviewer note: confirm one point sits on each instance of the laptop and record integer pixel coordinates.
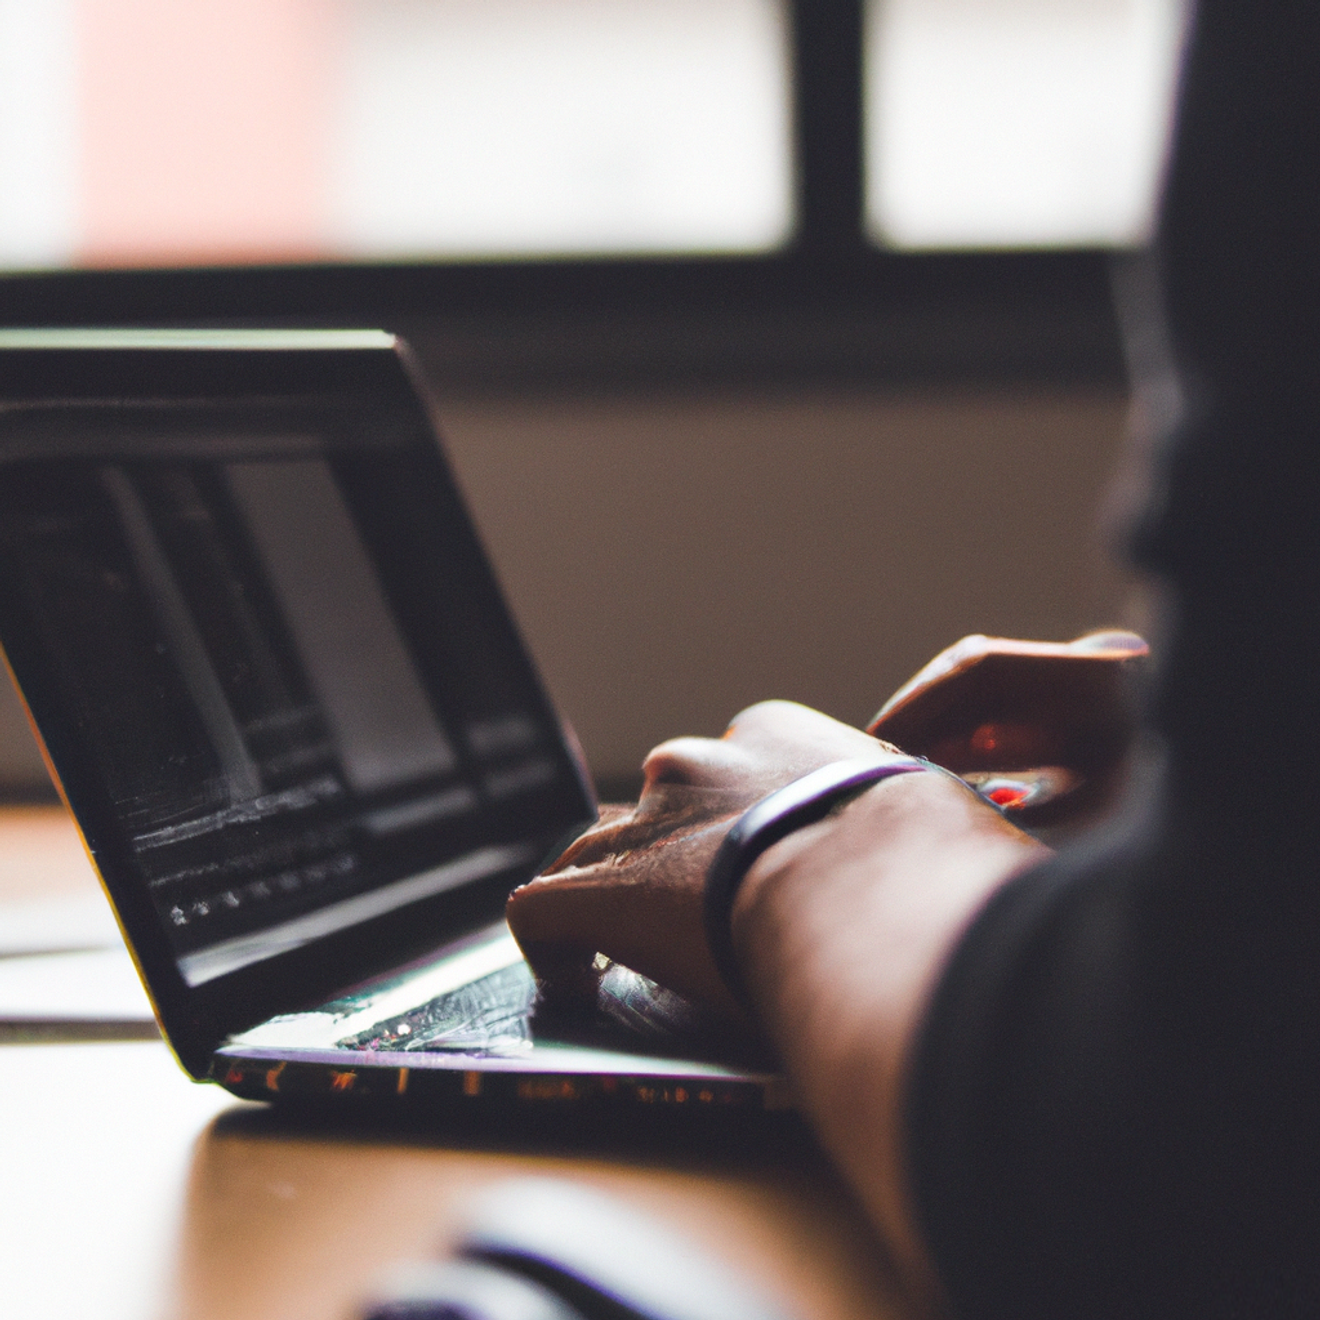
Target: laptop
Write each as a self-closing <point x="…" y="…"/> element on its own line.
<point x="278" y="688"/>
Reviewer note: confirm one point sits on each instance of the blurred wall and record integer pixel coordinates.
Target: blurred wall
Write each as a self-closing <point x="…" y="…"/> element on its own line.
<point x="672" y="558"/>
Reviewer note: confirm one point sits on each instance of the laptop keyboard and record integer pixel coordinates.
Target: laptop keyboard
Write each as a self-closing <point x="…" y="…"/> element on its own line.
<point x="491" y="1015"/>
<point x="497" y="1015"/>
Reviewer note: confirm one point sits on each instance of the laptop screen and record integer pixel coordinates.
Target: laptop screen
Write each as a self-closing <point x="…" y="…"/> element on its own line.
<point x="286" y="668"/>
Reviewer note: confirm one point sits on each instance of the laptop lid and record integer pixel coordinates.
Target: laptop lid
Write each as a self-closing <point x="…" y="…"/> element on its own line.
<point x="268" y="661"/>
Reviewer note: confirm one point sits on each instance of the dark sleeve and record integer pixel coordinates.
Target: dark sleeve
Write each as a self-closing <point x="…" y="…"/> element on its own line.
<point x="1115" y="1103"/>
<point x="1114" y="1108"/>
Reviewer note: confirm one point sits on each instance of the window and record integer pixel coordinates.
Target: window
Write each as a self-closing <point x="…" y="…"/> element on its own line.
<point x="1016" y="123"/>
<point x="556" y="192"/>
<point x="150" y="133"/>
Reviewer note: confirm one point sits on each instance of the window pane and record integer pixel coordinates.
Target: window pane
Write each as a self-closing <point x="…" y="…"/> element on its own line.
<point x="153" y="132"/>
<point x="38" y="189"/>
<point x="526" y="126"/>
<point x="1017" y="123"/>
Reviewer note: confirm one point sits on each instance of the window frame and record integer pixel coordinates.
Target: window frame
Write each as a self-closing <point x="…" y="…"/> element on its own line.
<point x="828" y="307"/>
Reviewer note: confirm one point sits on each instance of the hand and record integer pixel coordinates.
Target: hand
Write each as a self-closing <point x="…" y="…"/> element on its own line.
<point x="631" y="887"/>
<point x="991" y="706"/>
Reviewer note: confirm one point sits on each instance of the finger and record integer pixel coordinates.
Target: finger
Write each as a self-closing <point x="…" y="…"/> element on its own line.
<point x="561" y="922"/>
<point x="555" y="925"/>
<point x="1129" y="644"/>
<point x="644" y="912"/>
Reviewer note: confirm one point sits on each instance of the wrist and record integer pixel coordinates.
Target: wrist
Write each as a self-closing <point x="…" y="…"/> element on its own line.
<point x="929" y="837"/>
<point x="795" y="806"/>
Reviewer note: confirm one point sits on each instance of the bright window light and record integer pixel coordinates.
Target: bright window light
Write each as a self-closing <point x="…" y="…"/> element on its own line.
<point x="1017" y="123"/>
<point x="496" y="127"/>
<point x="161" y="132"/>
<point x="38" y="135"/>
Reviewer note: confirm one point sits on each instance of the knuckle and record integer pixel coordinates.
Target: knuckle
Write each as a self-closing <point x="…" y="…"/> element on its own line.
<point x="676" y="761"/>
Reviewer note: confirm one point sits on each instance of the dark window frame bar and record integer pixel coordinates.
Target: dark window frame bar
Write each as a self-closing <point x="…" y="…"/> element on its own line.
<point x="830" y="307"/>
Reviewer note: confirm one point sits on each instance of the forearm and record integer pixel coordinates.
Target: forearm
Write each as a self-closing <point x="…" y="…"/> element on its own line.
<point x="842" y="929"/>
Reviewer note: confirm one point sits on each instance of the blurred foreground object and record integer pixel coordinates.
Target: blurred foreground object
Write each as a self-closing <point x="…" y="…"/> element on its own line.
<point x="540" y="1249"/>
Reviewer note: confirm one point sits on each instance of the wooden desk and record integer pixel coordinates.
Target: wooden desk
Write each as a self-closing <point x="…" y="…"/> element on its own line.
<point x="127" y="1191"/>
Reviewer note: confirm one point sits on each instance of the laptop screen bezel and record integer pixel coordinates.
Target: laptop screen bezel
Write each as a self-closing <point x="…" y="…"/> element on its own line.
<point x="60" y="386"/>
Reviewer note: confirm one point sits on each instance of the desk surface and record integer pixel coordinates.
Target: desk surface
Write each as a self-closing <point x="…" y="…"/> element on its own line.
<point x="127" y="1191"/>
